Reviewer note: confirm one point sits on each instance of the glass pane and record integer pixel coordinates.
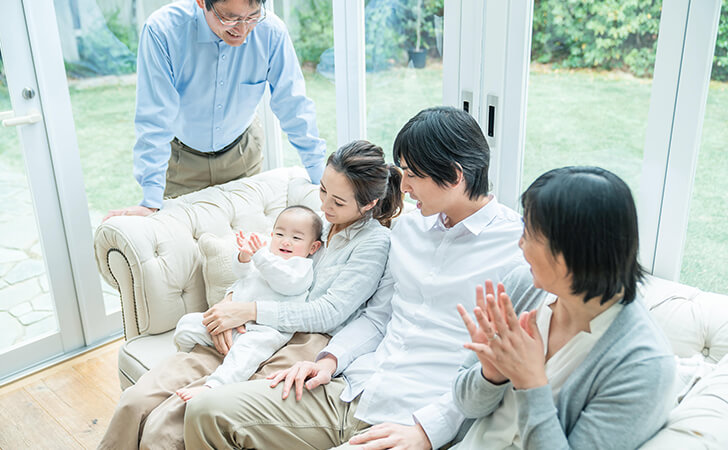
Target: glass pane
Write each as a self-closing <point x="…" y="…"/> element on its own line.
<point x="590" y="85"/>
<point x="404" y="64"/>
<point x="311" y="26"/>
<point x="99" y="42"/>
<point x="27" y="309"/>
<point x="705" y="263"/>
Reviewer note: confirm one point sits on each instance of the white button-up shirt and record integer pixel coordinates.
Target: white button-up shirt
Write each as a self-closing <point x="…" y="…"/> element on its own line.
<point x="404" y="351"/>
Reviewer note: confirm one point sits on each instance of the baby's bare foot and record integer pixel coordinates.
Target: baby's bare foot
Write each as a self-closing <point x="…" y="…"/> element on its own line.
<point x="187" y="393"/>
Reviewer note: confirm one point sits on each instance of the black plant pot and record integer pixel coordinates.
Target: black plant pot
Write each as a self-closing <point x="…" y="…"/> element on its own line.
<point x="418" y="58"/>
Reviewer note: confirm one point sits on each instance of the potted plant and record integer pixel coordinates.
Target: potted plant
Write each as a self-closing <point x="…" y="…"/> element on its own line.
<point x="418" y="54"/>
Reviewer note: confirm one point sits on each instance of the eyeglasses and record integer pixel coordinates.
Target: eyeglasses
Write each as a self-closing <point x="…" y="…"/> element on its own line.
<point x="250" y="20"/>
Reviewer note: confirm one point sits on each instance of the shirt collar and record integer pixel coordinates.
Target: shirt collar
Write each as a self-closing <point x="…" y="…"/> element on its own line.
<point x="349" y="232"/>
<point x="204" y="32"/>
<point x="599" y="324"/>
<point x="475" y="223"/>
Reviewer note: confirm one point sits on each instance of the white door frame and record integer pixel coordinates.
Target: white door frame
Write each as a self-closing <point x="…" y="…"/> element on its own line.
<point x="674" y="127"/>
<point x="32" y="58"/>
<point x="53" y="93"/>
<point x="350" y="70"/>
<point x="486" y="60"/>
<point x="20" y="74"/>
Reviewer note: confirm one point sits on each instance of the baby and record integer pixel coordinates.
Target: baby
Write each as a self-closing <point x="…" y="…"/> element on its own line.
<point x="282" y="272"/>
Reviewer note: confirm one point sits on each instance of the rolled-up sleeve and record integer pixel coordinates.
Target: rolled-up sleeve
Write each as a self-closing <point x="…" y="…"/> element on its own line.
<point x="157" y="108"/>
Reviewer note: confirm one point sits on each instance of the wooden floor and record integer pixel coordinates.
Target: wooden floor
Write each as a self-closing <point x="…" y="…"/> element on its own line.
<point x="66" y="406"/>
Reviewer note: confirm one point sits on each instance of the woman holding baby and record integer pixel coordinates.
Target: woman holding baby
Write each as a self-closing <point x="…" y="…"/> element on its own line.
<point x="360" y="196"/>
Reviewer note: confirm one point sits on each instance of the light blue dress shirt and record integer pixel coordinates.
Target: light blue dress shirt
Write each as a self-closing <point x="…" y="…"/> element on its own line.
<point x="192" y="85"/>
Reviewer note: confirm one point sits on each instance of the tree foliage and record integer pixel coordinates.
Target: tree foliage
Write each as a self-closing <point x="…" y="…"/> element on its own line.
<point x="608" y="34"/>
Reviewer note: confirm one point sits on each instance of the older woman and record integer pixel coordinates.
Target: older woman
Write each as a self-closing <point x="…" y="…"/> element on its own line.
<point x="587" y="368"/>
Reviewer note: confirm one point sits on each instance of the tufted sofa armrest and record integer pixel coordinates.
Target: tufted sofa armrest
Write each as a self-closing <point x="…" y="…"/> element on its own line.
<point x="155" y="262"/>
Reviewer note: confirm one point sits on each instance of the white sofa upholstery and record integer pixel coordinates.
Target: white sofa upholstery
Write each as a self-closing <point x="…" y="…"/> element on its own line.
<point x="156" y="265"/>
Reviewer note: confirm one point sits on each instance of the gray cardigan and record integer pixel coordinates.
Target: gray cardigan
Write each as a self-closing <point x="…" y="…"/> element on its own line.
<point x="617" y="398"/>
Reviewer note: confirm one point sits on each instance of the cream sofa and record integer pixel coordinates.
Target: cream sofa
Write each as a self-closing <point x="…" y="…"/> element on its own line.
<point x="156" y="265"/>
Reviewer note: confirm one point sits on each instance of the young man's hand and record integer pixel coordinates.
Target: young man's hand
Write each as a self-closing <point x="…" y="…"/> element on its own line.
<point x="392" y="435"/>
<point x="317" y="373"/>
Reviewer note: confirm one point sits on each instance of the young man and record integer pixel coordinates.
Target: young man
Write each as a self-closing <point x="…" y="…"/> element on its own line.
<point x="203" y="67"/>
<point x="399" y="357"/>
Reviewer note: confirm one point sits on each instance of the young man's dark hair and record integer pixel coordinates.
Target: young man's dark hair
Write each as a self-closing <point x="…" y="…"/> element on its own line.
<point x="588" y="215"/>
<point x="438" y="142"/>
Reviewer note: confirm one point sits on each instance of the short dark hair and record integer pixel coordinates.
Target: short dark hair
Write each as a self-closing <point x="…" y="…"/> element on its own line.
<point x="209" y="3"/>
<point x="362" y="163"/>
<point x="588" y="215"/>
<point x="439" y="142"/>
<point x="317" y="225"/>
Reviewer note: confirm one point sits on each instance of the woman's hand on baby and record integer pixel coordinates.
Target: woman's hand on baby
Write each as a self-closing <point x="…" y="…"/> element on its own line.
<point x="317" y="373"/>
<point x="223" y="341"/>
<point x="226" y="315"/>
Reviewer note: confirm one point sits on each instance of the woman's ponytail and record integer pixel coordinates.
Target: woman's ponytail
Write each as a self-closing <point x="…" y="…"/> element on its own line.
<point x="390" y="206"/>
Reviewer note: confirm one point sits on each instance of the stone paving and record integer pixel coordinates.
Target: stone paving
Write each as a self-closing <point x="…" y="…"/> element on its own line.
<point x="26" y="303"/>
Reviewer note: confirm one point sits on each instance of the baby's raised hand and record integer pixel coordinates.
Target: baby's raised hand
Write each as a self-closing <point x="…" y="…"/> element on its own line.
<point x="248" y="246"/>
<point x="255" y="243"/>
<point x="244" y="251"/>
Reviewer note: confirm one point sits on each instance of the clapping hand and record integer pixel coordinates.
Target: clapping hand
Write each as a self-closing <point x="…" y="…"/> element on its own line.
<point x="480" y="334"/>
<point x="508" y="348"/>
<point x="248" y="246"/>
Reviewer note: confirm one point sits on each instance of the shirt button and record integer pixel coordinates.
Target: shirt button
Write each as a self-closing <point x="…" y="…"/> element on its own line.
<point x="219" y="106"/>
<point x="223" y="57"/>
<point x="221" y="83"/>
<point x="217" y="128"/>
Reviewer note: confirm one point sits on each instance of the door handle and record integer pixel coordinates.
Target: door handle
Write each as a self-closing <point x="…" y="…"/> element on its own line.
<point x="6" y="114"/>
<point x="33" y="117"/>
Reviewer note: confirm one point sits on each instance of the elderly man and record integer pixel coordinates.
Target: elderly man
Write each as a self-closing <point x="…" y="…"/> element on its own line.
<point x="203" y="67"/>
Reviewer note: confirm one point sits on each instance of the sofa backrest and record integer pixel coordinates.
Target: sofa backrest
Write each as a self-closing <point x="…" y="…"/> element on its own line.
<point x="695" y="322"/>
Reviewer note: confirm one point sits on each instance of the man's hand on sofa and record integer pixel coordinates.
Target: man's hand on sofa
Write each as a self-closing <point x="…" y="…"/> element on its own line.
<point x="317" y="373"/>
<point x="131" y="211"/>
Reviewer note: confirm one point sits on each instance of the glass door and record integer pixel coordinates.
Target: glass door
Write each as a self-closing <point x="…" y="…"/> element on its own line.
<point x="50" y="298"/>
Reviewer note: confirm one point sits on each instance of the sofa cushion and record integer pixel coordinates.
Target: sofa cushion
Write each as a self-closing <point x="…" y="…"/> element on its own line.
<point x="699" y="420"/>
<point x="217" y="255"/>
<point x="141" y="353"/>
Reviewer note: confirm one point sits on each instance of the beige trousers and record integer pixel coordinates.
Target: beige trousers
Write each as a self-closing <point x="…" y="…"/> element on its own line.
<point x="190" y="170"/>
<point x="251" y="415"/>
<point x="150" y="414"/>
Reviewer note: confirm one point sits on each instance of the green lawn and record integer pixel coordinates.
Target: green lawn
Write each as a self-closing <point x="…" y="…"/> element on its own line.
<point x="577" y="117"/>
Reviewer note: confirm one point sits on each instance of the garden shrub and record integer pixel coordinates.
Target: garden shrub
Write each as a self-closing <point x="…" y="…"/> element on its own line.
<point x="720" y="60"/>
<point x="389" y="29"/>
<point x="316" y="20"/>
<point x="608" y="34"/>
